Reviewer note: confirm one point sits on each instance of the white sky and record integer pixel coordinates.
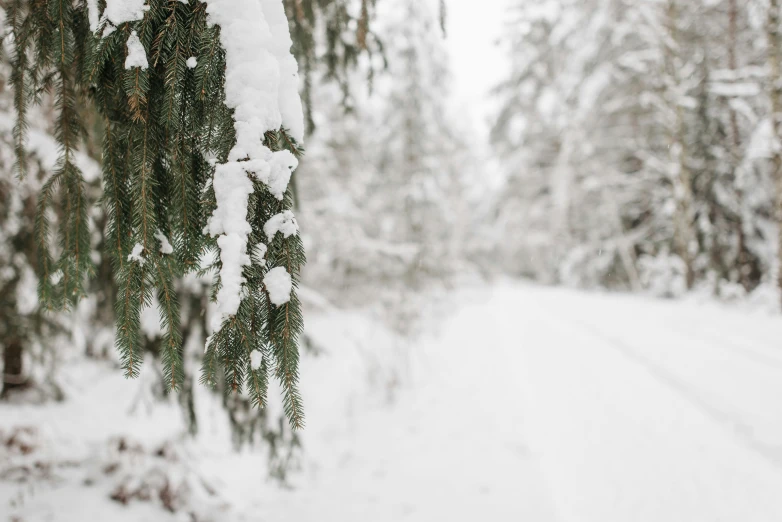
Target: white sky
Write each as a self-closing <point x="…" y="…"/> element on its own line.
<point x="477" y="65"/>
<point x="477" y="62"/>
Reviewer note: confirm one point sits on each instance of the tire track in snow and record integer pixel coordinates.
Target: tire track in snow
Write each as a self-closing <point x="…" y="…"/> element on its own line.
<point x="739" y="429"/>
<point x="765" y="356"/>
<point x="614" y="441"/>
<point x="752" y="354"/>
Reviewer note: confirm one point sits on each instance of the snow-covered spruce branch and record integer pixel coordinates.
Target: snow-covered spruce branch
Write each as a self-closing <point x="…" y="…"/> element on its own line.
<point x="201" y="125"/>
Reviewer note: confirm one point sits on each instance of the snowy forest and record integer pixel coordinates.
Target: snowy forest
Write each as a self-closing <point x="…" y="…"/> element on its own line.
<point x="391" y="260"/>
<point x="640" y="144"/>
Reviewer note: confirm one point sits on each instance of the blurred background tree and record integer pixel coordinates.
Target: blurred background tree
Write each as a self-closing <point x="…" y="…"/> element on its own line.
<point x="636" y="141"/>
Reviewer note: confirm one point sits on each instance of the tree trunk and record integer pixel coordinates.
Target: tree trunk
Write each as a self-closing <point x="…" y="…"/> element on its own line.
<point x="748" y="271"/>
<point x="13" y="377"/>
<point x="684" y="233"/>
<point x="732" y="65"/>
<point x="775" y="93"/>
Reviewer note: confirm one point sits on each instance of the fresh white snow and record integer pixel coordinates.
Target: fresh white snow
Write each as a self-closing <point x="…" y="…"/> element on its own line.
<point x="282" y="165"/>
<point x="540" y="404"/>
<point x="522" y="403"/>
<point x="192" y="62"/>
<point x="137" y="254"/>
<point x="279" y="285"/>
<point x="288" y="99"/>
<point x="284" y="222"/>
<point x="649" y="410"/>
<point x="93" y="15"/>
<point x="256" y="358"/>
<point x="119" y="11"/>
<point x="137" y="55"/>
<point x="259" y="254"/>
<point x="165" y="245"/>
<point x="260" y="87"/>
<point x="233" y="254"/>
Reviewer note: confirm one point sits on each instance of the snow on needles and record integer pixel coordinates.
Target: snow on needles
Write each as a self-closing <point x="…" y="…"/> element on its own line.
<point x="165" y="245"/>
<point x="93" y="15"/>
<point x="259" y="254"/>
<point x="262" y="89"/>
<point x="278" y="283"/>
<point x="137" y="55"/>
<point x="137" y="254"/>
<point x="117" y="12"/>
<point x="288" y="93"/>
<point x="256" y="358"/>
<point x="284" y="222"/>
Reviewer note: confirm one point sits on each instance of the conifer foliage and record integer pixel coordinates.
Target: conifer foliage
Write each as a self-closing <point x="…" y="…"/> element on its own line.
<point x="331" y="35"/>
<point x="201" y="130"/>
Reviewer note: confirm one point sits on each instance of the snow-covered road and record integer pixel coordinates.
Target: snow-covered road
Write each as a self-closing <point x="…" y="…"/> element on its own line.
<point x="523" y="403"/>
<point x="554" y="405"/>
<point x="650" y="410"/>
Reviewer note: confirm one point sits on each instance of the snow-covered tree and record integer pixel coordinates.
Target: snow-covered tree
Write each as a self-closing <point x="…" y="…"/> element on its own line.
<point x="27" y="332"/>
<point x="329" y="37"/>
<point x="384" y="195"/>
<point x="201" y="118"/>
<point x="420" y="159"/>
<point x="24" y="328"/>
<point x="633" y="137"/>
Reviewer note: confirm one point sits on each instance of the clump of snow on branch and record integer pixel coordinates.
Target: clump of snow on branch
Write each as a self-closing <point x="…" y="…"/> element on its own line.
<point x="93" y="14"/>
<point x="288" y="93"/>
<point x="137" y="55"/>
<point x="191" y="62"/>
<point x="256" y="358"/>
<point x="137" y="254"/>
<point x="233" y="255"/>
<point x="259" y="254"/>
<point x="278" y="283"/>
<point x="282" y="166"/>
<point x="274" y="173"/>
<point x="261" y="86"/>
<point x="165" y="245"/>
<point x="117" y="12"/>
<point x="284" y="222"/>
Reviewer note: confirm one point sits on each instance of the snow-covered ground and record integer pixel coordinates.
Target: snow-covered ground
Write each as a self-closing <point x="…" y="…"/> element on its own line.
<point x="524" y="403"/>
